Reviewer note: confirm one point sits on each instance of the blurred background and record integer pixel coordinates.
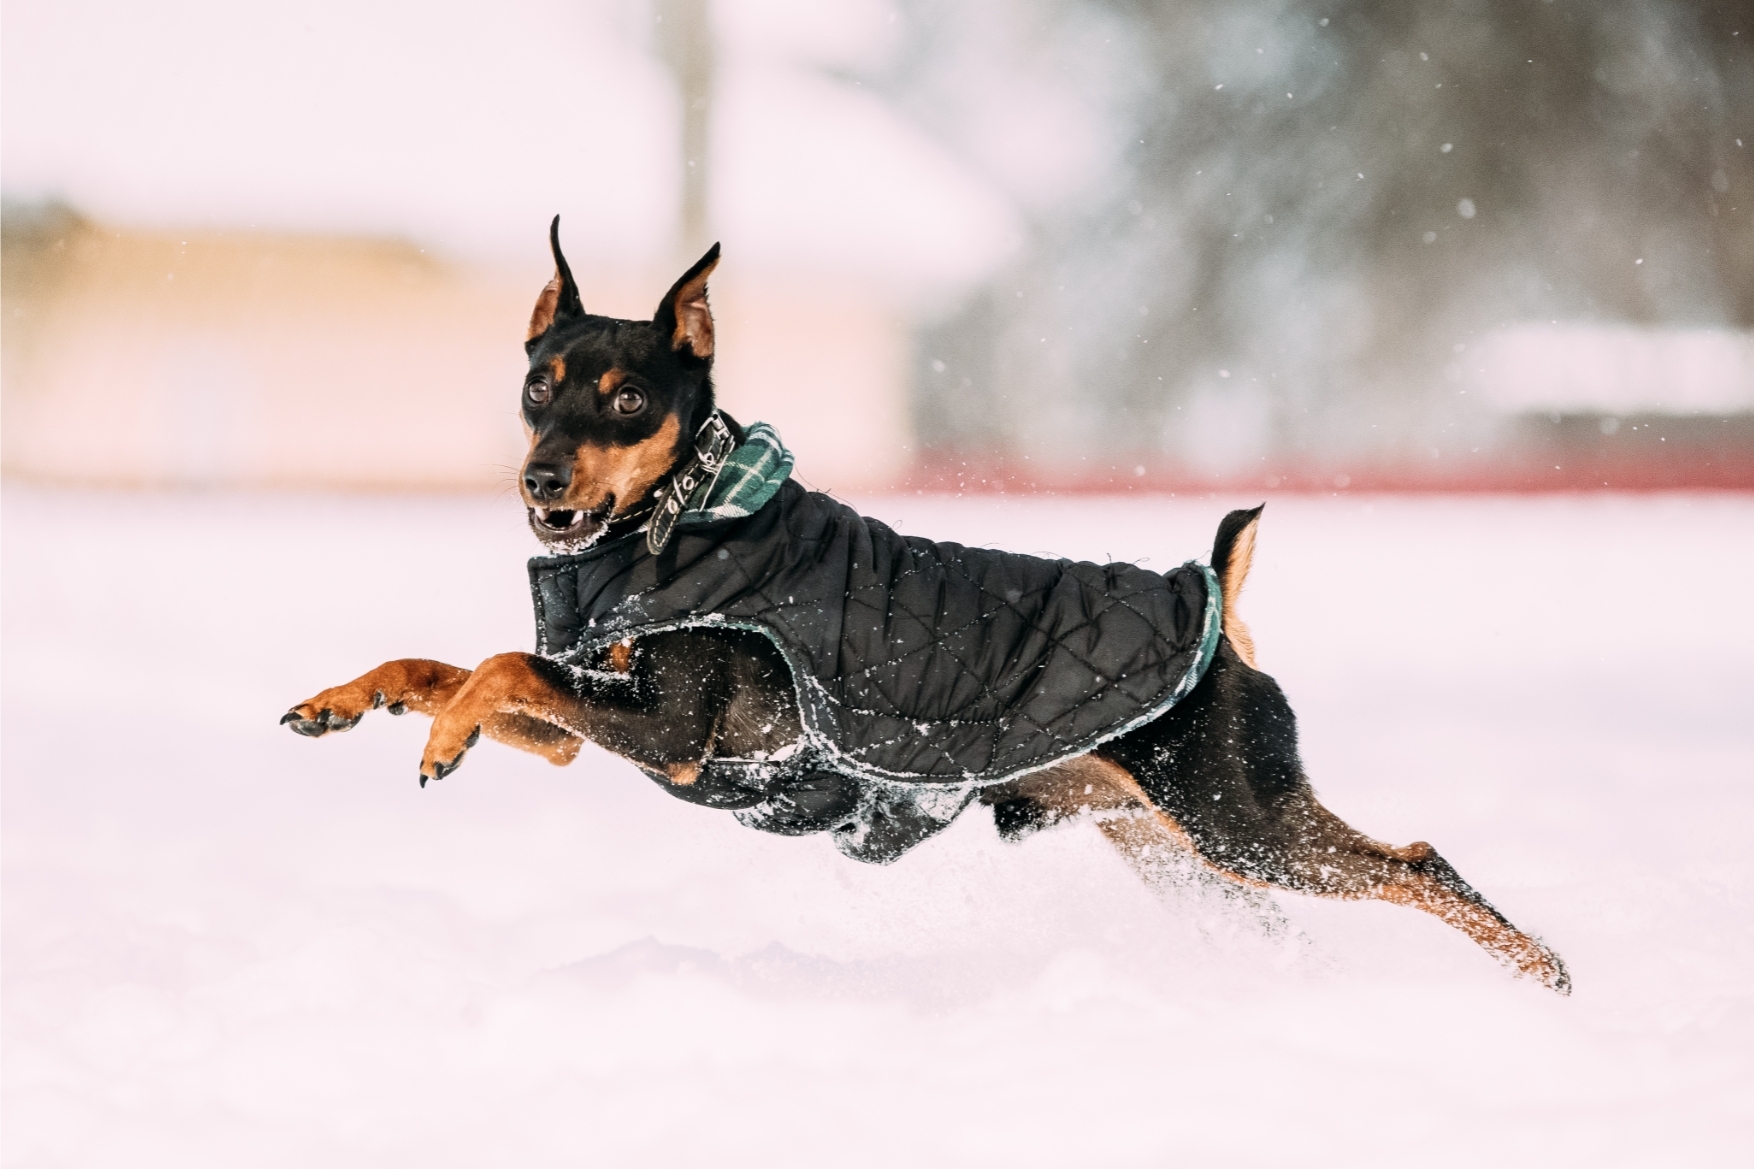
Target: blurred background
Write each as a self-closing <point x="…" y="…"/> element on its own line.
<point x="992" y="244"/>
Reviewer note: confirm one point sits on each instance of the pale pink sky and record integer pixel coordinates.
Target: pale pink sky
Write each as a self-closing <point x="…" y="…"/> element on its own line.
<point x="461" y="126"/>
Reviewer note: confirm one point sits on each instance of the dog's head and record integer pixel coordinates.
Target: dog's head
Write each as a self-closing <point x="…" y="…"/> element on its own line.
<point x="610" y="406"/>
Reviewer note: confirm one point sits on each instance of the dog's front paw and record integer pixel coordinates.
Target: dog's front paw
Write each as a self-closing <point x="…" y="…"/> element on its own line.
<point x="339" y="709"/>
<point x="443" y="755"/>
<point x="321" y="722"/>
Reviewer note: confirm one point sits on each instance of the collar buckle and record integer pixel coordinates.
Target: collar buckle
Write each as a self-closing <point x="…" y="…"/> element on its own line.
<point x="713" y="444"/>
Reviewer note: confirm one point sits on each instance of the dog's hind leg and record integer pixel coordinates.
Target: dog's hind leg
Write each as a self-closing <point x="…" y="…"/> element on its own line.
<point x="1331" y="859"/>
<point x="1342" y="862"/>
<point x="1223" y="768"/>
<point x="1151" y="843"/>
<point x="1090" y="784"/>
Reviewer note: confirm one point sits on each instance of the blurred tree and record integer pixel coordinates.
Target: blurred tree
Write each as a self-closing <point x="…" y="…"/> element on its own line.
<point x="685" y="45"/>
<point x="1319" y="205"/>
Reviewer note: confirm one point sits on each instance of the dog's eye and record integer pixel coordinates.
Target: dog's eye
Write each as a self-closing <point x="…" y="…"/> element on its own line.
<point x="537" y="391"/>
<point x="629" y="401"/>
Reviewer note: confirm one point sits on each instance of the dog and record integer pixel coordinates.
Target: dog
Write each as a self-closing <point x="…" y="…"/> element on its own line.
<point x="626" y="441"/>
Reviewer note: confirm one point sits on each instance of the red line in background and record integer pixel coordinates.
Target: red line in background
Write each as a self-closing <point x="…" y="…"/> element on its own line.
<point x="999" y="475"/>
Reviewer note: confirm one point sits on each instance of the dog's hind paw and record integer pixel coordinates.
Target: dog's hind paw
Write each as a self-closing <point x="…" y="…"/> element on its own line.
<point x="1546" y="967"/>
<point x="317" y="723"/>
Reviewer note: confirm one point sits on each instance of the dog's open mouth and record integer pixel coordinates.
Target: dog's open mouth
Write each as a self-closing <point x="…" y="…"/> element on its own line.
<point x="570" y="526"/>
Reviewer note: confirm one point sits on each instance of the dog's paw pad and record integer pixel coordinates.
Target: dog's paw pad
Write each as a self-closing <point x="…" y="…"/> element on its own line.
<point x="441" y="768"/>
<point x="311" y="728"/>
<point x="335" y="722"/>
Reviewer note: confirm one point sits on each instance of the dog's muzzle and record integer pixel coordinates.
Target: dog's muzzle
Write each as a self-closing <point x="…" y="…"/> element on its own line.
<point x="571" y="525"/>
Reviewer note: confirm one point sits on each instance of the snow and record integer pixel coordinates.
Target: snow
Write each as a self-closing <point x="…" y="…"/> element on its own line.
<point x="225" y="945"/>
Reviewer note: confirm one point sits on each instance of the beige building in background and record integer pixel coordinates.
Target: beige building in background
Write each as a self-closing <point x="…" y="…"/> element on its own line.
<point x="200" y="359"/>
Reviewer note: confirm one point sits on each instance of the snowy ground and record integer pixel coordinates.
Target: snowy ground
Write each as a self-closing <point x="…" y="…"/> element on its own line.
<point x="228" y="946"/>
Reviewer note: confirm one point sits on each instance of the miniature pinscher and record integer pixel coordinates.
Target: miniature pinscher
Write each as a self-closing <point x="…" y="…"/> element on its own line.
<point x="613" y="409"/>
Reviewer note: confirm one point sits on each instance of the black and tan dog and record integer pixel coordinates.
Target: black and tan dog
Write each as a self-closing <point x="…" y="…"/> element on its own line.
<point x="613" y="408"/>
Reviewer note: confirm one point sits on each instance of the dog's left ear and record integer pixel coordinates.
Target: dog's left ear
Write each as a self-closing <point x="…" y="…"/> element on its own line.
<point x="684" y="316"/>
<point x="560" y="298"/>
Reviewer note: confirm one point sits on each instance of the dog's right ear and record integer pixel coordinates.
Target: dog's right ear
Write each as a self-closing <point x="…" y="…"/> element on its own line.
<point x="560" y="299"/>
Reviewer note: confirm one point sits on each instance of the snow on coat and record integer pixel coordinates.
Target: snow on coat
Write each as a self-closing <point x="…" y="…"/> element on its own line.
<point x="924" y="670"/>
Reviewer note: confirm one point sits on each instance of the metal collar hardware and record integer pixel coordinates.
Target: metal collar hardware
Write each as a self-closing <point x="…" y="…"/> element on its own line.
<point x="713" y="444"/>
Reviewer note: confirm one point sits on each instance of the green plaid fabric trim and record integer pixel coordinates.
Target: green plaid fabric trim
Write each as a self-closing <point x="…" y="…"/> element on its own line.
<point x="749" y="478"/>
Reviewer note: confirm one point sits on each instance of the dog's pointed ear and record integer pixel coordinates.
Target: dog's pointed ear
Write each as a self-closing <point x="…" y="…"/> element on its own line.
<point x="684" y="316"/>
<point x="560" y="298"/>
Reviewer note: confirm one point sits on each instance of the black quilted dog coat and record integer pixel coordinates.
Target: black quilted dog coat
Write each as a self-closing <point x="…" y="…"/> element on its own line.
<point x="924" y="671"/>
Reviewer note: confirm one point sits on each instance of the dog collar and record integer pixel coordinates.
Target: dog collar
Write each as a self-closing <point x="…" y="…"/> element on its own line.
<point x="713" y="444"/>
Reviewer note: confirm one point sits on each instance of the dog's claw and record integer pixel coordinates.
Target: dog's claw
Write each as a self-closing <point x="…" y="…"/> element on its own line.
<point x="423" y="780"/>
<point x="310" y="728"/>
<point x="377" y="699"/>
<point x="440" y="768"/>
<point x="397" y="708"/>
<point x="319" y="724"/>
<point x="474" y="738"/>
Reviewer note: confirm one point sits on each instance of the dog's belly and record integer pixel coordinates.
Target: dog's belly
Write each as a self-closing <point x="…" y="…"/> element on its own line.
<point x="871" y="822"/>
<point x="803" y="794"/>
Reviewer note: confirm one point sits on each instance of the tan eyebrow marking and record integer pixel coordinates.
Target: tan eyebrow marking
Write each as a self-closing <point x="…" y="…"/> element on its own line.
<point x="557" y="367"/>
<point x="610" y="380"/>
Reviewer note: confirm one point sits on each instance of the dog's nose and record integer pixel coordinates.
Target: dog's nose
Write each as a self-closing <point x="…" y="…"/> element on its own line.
<point x="547" y="481"/>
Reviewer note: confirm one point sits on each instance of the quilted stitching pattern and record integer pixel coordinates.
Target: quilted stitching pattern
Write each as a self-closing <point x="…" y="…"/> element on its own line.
<point x="923" y="661"/>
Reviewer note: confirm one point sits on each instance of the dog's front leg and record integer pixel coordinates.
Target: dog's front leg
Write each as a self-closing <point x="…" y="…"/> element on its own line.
<point x="400" y="686"/>
<point x="516" y="698"/>
<point x="428" y="687"/>
<point x="664" y="708"/>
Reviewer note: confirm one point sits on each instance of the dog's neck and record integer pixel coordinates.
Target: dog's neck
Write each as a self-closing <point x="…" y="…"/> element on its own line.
<point x="713" y="443"/>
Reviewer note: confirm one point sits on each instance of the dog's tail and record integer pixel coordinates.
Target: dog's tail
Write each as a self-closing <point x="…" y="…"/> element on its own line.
<point x="1232" y="552"/>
